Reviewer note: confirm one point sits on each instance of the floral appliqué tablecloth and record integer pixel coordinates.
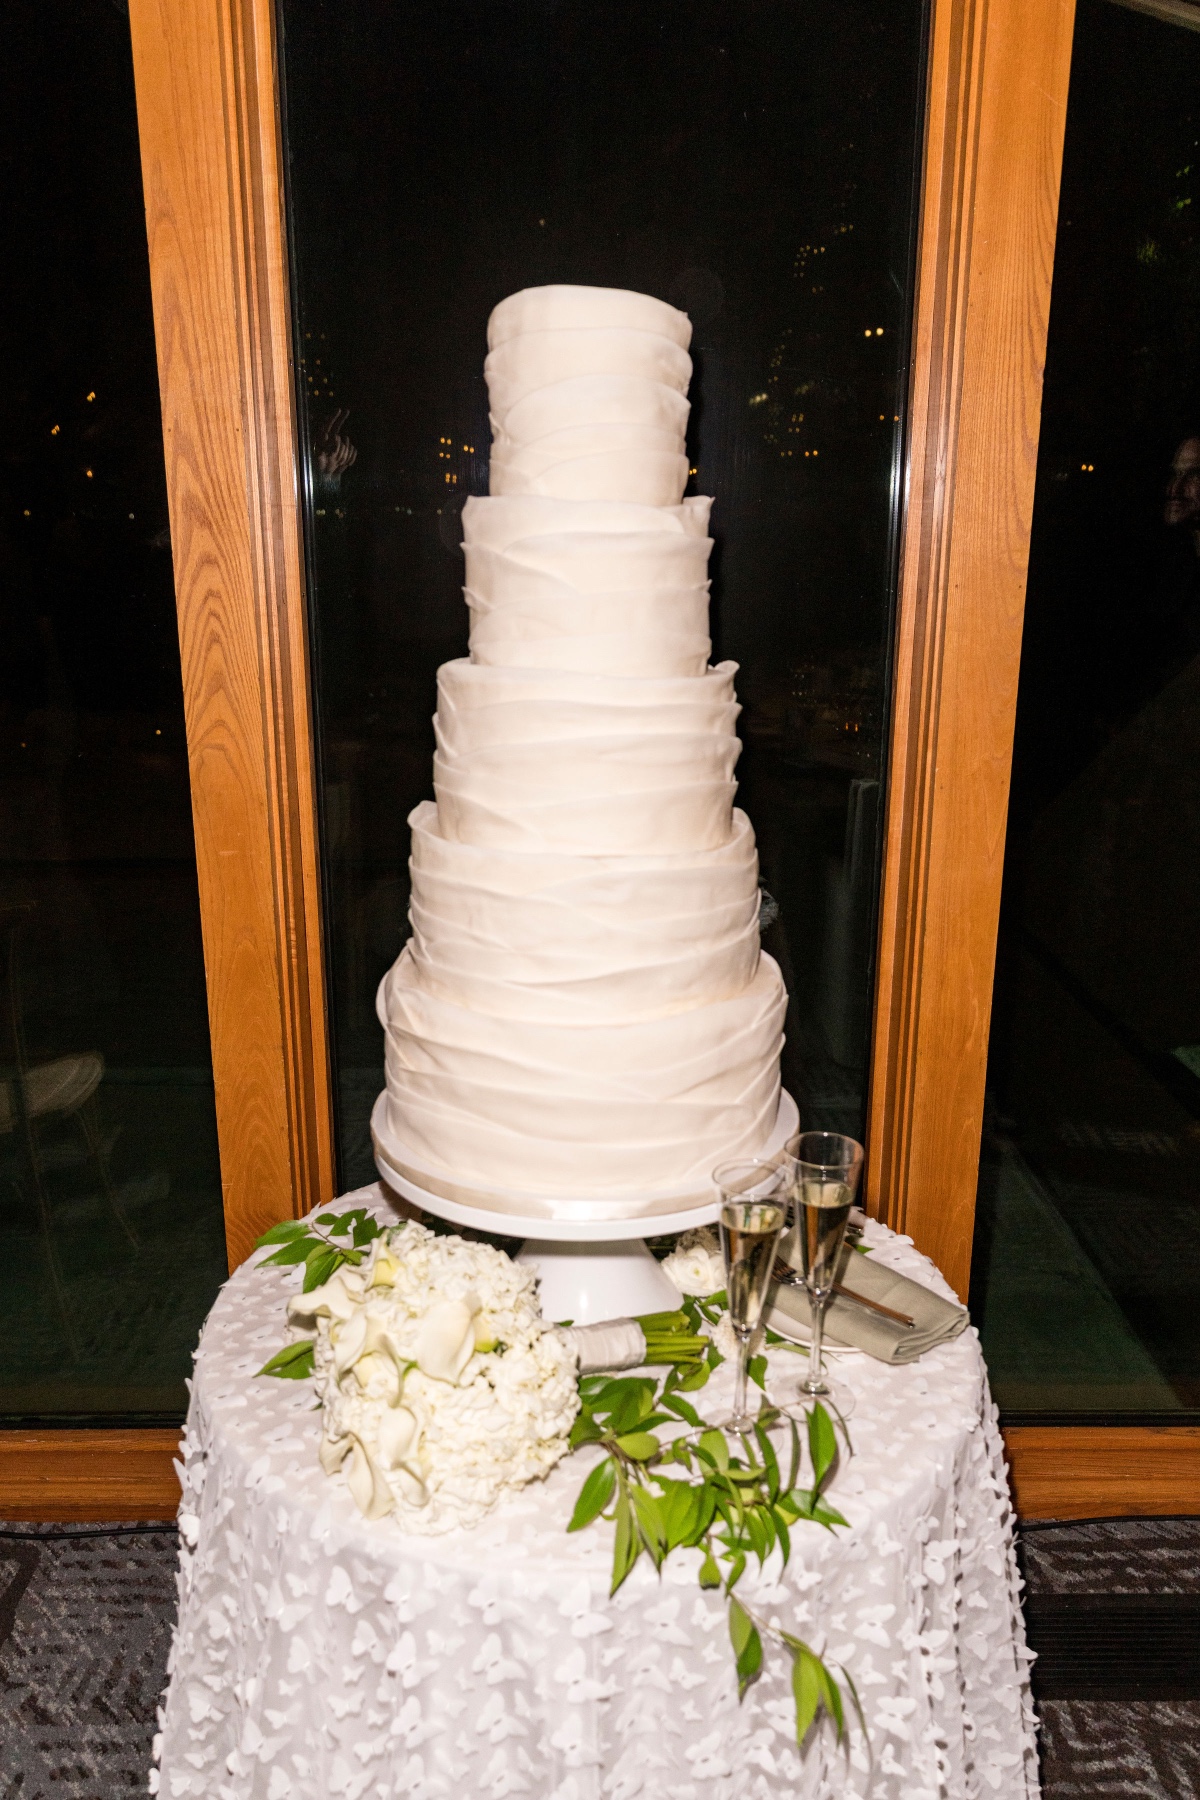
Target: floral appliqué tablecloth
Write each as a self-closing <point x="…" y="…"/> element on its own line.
<point x="322" y="1657"/>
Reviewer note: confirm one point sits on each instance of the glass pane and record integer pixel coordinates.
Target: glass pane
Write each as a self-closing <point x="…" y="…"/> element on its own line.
<point x="753" y="164"/>
<point x="111" y="1232"/>
<point x="1087" y="1268"/>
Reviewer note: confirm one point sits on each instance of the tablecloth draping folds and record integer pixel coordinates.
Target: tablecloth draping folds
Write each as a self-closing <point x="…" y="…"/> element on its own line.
<point x="319" y="1657"/>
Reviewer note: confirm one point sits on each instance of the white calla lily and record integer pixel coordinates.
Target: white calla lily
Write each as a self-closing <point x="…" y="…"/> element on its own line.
<point x="336" y="1300"/>
<point x="384" y="1269"/>
<point x="333" y="1453"/>
<point x="397" y="1435"/>
<point x="446" y="1339"/>
<point x="368" y="1487"/>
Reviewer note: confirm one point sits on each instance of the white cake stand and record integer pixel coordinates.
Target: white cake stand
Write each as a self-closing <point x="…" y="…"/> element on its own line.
<point x="590" y="1269"/>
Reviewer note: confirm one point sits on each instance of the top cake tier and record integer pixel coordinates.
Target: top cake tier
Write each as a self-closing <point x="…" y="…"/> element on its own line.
<point x="588" y="395"/>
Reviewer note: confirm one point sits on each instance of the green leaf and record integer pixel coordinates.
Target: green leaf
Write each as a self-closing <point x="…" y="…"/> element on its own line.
<point x="293" y="1363"/>
<point x="695" y="1378"/>
<point x="806" y="1687"/>
<point x="713" y="1449"/>
<point x="625" y="1402"/>
<point x="683" y="1409"/>
<point x="584" y="1431"/>
<point x="747" y="1645"/>
<point x="710" y="1575"/>
<point x="781" y="1527"/>
<point x="770" y="1460"/>
<point x="650" y="1513"/>
<point x="794" y="1464"/>
<point x="822" y="1444"/>
<point x="366" y="1230"/>
<point x="756" y="1369"/>
<point x="756" y="1532"/>
<point x="705" y="1510"/>
<point x="283" y="1233"/>
<point x="321" y="1265"/>
<point x="626" y="1544"/>
<point x="297" y="1251"/>
<point x="832" y="1699"/>
<point x="641" y="1445"/>
<point x="849" y="1681"/>
<point x="683" y="1511"/>
<point x="594" y="1495"/>
<point x="824" y="1514"/>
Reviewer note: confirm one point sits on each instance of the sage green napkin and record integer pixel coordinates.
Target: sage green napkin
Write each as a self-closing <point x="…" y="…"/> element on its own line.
<point x="937" y="1320"/>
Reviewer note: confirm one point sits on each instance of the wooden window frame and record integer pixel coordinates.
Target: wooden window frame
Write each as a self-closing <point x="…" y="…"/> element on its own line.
<point x="207" y="93"/>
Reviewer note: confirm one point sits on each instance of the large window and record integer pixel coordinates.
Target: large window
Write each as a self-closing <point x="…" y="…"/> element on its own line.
<point x="754" y="164"/>
<point x="111" y="1232"/>
<point x="1087" y="1257"/>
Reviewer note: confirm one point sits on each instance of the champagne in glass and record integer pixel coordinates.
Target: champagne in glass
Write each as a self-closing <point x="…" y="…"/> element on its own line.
<point x="825" y="1176"/>
<point x="753" y="1214"/>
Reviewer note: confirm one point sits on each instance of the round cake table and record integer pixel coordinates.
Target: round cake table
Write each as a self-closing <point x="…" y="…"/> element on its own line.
<point x="319" y="1656"/>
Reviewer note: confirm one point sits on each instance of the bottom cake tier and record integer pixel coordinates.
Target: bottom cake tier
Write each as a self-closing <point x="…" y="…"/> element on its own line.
<point x="592" y="1110"/>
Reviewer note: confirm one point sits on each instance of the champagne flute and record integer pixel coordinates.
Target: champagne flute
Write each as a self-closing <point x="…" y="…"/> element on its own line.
<point x="753" y="1214"/>
<point x="824" y="1179"/>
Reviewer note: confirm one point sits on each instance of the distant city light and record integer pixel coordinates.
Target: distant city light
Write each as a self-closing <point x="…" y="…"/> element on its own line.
<point x="88" y="473"/>
<point x="1088" y="468"/>
<point x="54" y="430"/>
<point x="92" y="395"/>
<point x="757" y="399"/>
<point x="26" y="512"/>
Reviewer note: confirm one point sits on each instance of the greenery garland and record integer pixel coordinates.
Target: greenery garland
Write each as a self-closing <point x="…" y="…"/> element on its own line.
<point x="723" y="1493"/>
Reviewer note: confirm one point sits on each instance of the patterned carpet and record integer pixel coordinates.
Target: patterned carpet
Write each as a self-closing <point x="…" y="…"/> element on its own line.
<point x="85" y="1624"/>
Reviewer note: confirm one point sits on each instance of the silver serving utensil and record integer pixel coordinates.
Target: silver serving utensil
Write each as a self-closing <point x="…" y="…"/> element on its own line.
<point x="792" y="1278"/>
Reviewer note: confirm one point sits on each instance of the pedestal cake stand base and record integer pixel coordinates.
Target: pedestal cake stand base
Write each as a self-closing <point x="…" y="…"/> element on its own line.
<point x="590" y="1269"/>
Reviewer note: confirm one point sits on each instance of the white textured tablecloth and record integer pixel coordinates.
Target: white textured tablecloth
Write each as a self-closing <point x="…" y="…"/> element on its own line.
<point x="319" y="1656"/>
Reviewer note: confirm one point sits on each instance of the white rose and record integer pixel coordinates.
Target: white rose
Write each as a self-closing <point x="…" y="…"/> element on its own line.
<point x="446" y="1339"/>
<point x="696" y="1266"/>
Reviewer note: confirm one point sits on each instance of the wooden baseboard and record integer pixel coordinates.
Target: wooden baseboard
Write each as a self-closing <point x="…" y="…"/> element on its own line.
<point x="1057" y="1472"/>
<point x="1104" y="1471"/>
<point x="101" y="1476"/>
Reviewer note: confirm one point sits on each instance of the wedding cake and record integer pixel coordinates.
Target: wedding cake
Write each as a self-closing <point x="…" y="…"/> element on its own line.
<point x="582" y="1015"/>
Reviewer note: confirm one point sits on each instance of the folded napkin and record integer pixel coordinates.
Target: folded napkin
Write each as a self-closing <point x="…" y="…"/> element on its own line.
<point x="937" y="1320"/>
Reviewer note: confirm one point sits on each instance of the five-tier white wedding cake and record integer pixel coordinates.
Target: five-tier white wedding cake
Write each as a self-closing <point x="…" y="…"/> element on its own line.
<point x="582" y="1014"/>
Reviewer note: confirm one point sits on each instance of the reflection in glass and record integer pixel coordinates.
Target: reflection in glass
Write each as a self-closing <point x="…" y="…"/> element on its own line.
<point x="1087" y="1269"/>
<point x="751" y="164"/>
<point x="111" y="1233"/>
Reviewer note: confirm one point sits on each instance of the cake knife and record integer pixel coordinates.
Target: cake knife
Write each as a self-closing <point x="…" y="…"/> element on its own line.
<point x="792" y="1278"/>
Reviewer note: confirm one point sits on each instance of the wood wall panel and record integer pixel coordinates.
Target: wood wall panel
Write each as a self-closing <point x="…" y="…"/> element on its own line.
<point x="994" y="129"/>
<point x="1085" y="1472"/>
<point x="1103" y="1472"/>
<point x="211" y="163"/>
<point x="99" y="1476"/>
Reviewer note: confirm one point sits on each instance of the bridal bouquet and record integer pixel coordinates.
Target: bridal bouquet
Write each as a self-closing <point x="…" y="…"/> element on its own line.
<point x="440" y="1386"/>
